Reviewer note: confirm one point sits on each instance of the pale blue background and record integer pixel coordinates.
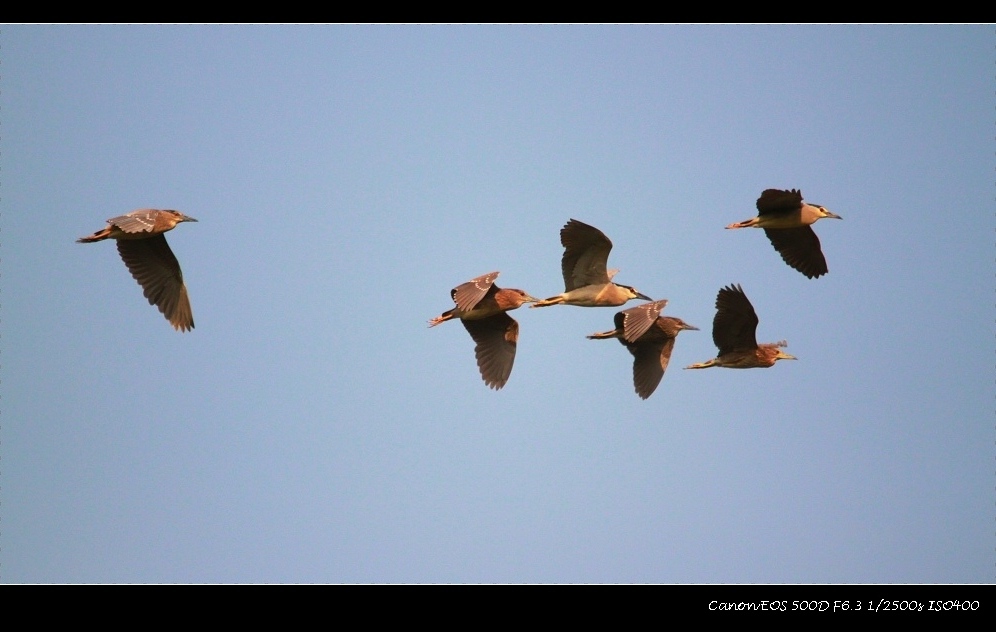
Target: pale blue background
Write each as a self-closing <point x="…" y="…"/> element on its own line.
<point x="312" y="428"/>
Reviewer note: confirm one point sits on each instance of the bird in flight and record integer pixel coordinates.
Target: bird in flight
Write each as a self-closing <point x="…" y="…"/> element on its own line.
<point x="142" y="245"/>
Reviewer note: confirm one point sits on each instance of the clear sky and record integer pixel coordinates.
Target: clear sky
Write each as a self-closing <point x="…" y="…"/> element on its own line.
<point x="313" y="428"/>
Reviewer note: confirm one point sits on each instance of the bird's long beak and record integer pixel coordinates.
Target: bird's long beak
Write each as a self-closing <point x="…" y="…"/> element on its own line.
<point x="833" y="215"/>
<point x="643" y="296"/>
<point x="691" y="327"/>
<point x="187" y="218"/>
<point x="786" y="356"/>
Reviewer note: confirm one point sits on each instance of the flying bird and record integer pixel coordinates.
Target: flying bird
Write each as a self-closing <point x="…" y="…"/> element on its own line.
<point x="787" y="221"/>
<point x="481" y="306"/>
<point x="650" y="338"/>
<point x="734" y="329"/>
<point x="142" y="245"/>
<point x="588" y="282"/>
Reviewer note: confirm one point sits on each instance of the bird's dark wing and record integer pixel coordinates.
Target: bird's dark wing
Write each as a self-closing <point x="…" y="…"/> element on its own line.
<point x="467" y="295"/>
<point x="140" y="221"/>
<point x="637" y="320"/>
<point x="650" y="360"/>
<point x="777" y="202"/>
<point x="800" y="248"/>
<point x="496" y="338"/>
<point x="735" y="326"/>
<point x="156" y="269"/>
<point x="586" y="255"/>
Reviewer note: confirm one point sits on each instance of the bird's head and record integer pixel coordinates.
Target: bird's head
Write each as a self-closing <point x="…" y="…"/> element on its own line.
<point x="672" y="326"/>
<point x="779" y="354"/>
<point x="823" y="213"/>
<point x="179" y="217"/>
<point x="632" y="293"/>
<point x="682" y="325"/>
<point x="771" y="352"/>
<point x="511" y="298"/>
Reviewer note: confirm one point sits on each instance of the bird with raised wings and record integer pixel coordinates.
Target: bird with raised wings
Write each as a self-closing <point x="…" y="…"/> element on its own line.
<point x="587" y="280"/>
<point x="788" y="223"/>
<point x="734" y="330"/>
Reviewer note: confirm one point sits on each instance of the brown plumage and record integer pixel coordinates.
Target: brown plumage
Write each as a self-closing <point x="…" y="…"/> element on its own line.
<point x="734" y="329"/>
<point x="143" y="248"/>
<point x="650" y="338"/>
<point x="587" y="281"/>
<point x="481" y="306"/>
<point x="787" y="221"/>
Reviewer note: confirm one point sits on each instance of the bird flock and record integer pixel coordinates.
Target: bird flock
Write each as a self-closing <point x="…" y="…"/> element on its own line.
<point x="483" y="307"/>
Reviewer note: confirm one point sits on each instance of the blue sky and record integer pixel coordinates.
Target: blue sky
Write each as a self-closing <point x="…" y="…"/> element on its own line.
<point x="312" y="428"/>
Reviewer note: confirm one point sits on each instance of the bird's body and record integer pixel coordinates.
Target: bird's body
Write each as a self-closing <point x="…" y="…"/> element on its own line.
<point x="587" y="281"/>
<point x="481" y="306"/>
<point x="787" y="221"/>
<point x="143" y="248"/>
<point x="650" y="338"/>
<point x="734" y="331"/>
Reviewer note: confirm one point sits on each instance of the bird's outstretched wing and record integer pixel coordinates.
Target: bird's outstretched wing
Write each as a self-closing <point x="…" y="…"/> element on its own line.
<point x="586" y="255"/>
<point x="778" y="202"/>
<point x="153" y="265"/>
<point x="496" y="338"/>
<point x="140" y="221"/>
<point x="734" y="327"/>
<point x="467" y="295"/>
<point x="650" y="360"/>
<point x="637" y="320"/>
<point x="800" y="248"/>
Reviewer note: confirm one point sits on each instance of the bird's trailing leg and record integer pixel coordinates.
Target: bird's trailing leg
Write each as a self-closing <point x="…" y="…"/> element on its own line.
<point x="442" y="318"/>
<point x="100" y="235"/>
<point x="747" y="223"/>
<point x="702" y="365"/>
<point x="553" y="300"/>
<point x="603" y="335"/>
